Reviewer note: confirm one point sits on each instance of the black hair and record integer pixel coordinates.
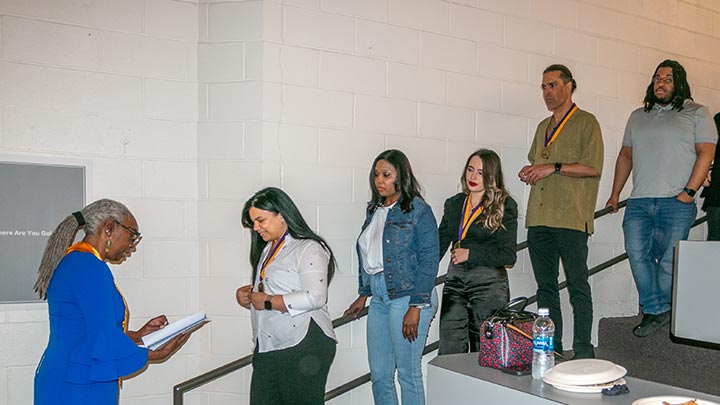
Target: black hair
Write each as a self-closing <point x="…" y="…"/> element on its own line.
<point x="565" y="74"/>
<point x="405" y="180"/>
<point x="682" y="88"/>
<point x="277" y="201"/>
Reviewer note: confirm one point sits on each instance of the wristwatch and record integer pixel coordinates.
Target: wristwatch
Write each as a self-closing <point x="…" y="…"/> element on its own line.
<point x="558" y="166"/>
<point x="268" y="303"/>
<point x="689" y="191"/>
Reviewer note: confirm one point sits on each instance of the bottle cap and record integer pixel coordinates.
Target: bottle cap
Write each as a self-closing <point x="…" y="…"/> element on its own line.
<point x="543" y="311"/>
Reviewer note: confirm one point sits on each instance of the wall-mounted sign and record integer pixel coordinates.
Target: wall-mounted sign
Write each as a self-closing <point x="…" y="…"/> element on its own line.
<point x="34" y="198"/>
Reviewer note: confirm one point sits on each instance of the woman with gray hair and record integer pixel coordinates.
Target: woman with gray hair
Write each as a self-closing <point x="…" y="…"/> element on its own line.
<point x="90" y="348"/>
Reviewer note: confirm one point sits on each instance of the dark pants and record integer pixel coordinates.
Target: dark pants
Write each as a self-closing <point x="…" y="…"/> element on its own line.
<point x="547" y="246"/>
<point x="469" y="296"/>
<point x="713" y="223"/>
<point x="296" y="375"/>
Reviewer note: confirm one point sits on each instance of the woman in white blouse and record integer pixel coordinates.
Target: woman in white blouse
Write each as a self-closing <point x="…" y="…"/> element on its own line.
<point x="294" y="338"/>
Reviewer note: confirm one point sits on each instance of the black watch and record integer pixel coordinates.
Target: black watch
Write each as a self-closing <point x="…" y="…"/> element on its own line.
<point x="689" y="191"/>
<point x="268" y="303"/>
<point x="558" y="166"/>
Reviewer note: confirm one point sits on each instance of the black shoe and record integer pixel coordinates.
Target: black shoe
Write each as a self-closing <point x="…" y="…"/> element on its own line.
<point x="584" y="354"/>
<point x="663" y="319"/>
<point x="651" y="324"/>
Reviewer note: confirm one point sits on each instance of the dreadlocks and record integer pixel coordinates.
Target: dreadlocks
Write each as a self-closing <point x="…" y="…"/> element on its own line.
<point x="682" y="88"/>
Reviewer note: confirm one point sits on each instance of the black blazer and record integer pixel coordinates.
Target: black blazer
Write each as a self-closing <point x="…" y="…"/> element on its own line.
<point x="486" y="248"/>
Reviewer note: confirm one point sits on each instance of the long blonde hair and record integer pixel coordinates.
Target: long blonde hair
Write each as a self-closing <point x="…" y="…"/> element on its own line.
<point x="495" y="194"/>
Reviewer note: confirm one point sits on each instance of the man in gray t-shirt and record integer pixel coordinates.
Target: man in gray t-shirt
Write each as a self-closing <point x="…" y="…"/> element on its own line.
<point x="668" y="146"/>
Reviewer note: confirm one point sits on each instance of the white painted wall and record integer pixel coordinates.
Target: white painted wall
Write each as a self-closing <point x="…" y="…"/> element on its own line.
<point x="115" y="83"/>
<point x="187" y="108"/>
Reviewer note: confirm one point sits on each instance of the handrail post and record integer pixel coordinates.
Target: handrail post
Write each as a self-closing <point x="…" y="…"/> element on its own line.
<point x="178" y="396"/>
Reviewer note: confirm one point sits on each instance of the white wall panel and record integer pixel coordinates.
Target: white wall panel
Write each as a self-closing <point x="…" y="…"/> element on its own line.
<point x="475" y="92"/>
<point x="424" y="15"/>
<point x="447" y="53"/>
<point x="116" y="15"/>
<point x="319" y="30"/>
<point x="386" y="115"/>
<point x="385" y="41"/>
<point x="370" y="9"/>
<point x="472" y="23"/>
<point x="47" y="43"/>
<point x="352" y="73"/>
<point x="416" y="83"/>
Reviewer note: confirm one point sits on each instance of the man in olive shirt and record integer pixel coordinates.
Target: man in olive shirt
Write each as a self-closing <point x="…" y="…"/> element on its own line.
<point x="566" y="159"/>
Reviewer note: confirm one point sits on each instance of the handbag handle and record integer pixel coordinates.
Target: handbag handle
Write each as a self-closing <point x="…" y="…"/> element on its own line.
<point x="514" y="308"/>
<point x="513" y="303"/>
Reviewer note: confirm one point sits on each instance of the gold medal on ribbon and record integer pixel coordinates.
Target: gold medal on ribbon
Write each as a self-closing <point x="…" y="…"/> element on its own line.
<point x="274" y="250"/>
<point x="469" y="215"/>
<point x="551" y="136"/>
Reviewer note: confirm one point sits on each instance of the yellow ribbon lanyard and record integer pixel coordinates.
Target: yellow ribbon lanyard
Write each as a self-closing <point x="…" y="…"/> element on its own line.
<point x="469" y="215"/>
<point x="550" y="138"/>
<point x="88" y="248"/>
<point x="270" y="257"/>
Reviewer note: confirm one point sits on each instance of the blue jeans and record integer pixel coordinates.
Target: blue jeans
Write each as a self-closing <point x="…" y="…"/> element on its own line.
<point x="651" y="227"/>
<point x="389" y="350"/>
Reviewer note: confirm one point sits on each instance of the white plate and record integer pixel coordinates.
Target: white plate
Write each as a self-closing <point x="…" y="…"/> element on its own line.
<point x="584" y="372"/>
<point x="587" y="389"/>
<point x="671" y="400"/>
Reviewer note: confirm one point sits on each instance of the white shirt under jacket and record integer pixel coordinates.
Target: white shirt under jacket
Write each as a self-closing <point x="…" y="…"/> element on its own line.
<point x="371" y="243"/>
<point x="299" y="274"/>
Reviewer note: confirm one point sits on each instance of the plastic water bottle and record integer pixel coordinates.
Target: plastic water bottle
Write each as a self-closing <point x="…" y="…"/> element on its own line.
<point x="543" y="344"/>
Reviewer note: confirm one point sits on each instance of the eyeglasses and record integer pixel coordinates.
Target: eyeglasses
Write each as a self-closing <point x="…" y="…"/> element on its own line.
<point x="135" y="236"/>
<point x="666" y="80"/>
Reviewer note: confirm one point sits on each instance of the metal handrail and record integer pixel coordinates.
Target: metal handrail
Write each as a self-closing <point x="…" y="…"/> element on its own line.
<point x="202" y="379"/>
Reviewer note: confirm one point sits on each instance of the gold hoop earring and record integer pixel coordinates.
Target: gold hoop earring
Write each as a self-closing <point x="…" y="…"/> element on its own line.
<point x="108" y="243"/>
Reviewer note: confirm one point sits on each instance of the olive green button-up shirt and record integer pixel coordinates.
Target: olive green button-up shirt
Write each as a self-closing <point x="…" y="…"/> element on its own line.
<point x="560" y="201"/>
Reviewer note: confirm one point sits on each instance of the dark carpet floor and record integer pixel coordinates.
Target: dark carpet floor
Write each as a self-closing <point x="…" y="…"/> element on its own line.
<point x="657" y="358"/>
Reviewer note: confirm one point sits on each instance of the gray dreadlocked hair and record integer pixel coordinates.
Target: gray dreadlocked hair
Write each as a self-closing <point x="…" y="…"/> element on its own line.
<point x="93" y="216"/>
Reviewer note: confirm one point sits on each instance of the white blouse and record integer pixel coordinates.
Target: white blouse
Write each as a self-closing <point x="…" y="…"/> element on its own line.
<point x="299" y="274"/>
<point x="370" y="242"/>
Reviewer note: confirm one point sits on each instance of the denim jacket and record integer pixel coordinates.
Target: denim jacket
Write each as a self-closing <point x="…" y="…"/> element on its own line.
<point x="410" y="253"/>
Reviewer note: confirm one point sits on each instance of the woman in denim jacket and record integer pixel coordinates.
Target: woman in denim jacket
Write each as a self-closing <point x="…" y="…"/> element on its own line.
<point x="398" y="255"/>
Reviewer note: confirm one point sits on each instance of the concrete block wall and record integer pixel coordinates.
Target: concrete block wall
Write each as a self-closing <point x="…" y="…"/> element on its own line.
<point x="112" y="83"/>
<point x="328" y="84"/>
<point x="186" y="108"/>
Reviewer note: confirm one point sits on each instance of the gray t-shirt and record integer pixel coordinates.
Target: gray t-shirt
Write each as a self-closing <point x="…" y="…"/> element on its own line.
<point x="663" y="147"/>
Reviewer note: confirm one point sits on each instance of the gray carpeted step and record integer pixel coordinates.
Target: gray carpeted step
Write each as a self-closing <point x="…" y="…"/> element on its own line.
<point x="657" y="358"/>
